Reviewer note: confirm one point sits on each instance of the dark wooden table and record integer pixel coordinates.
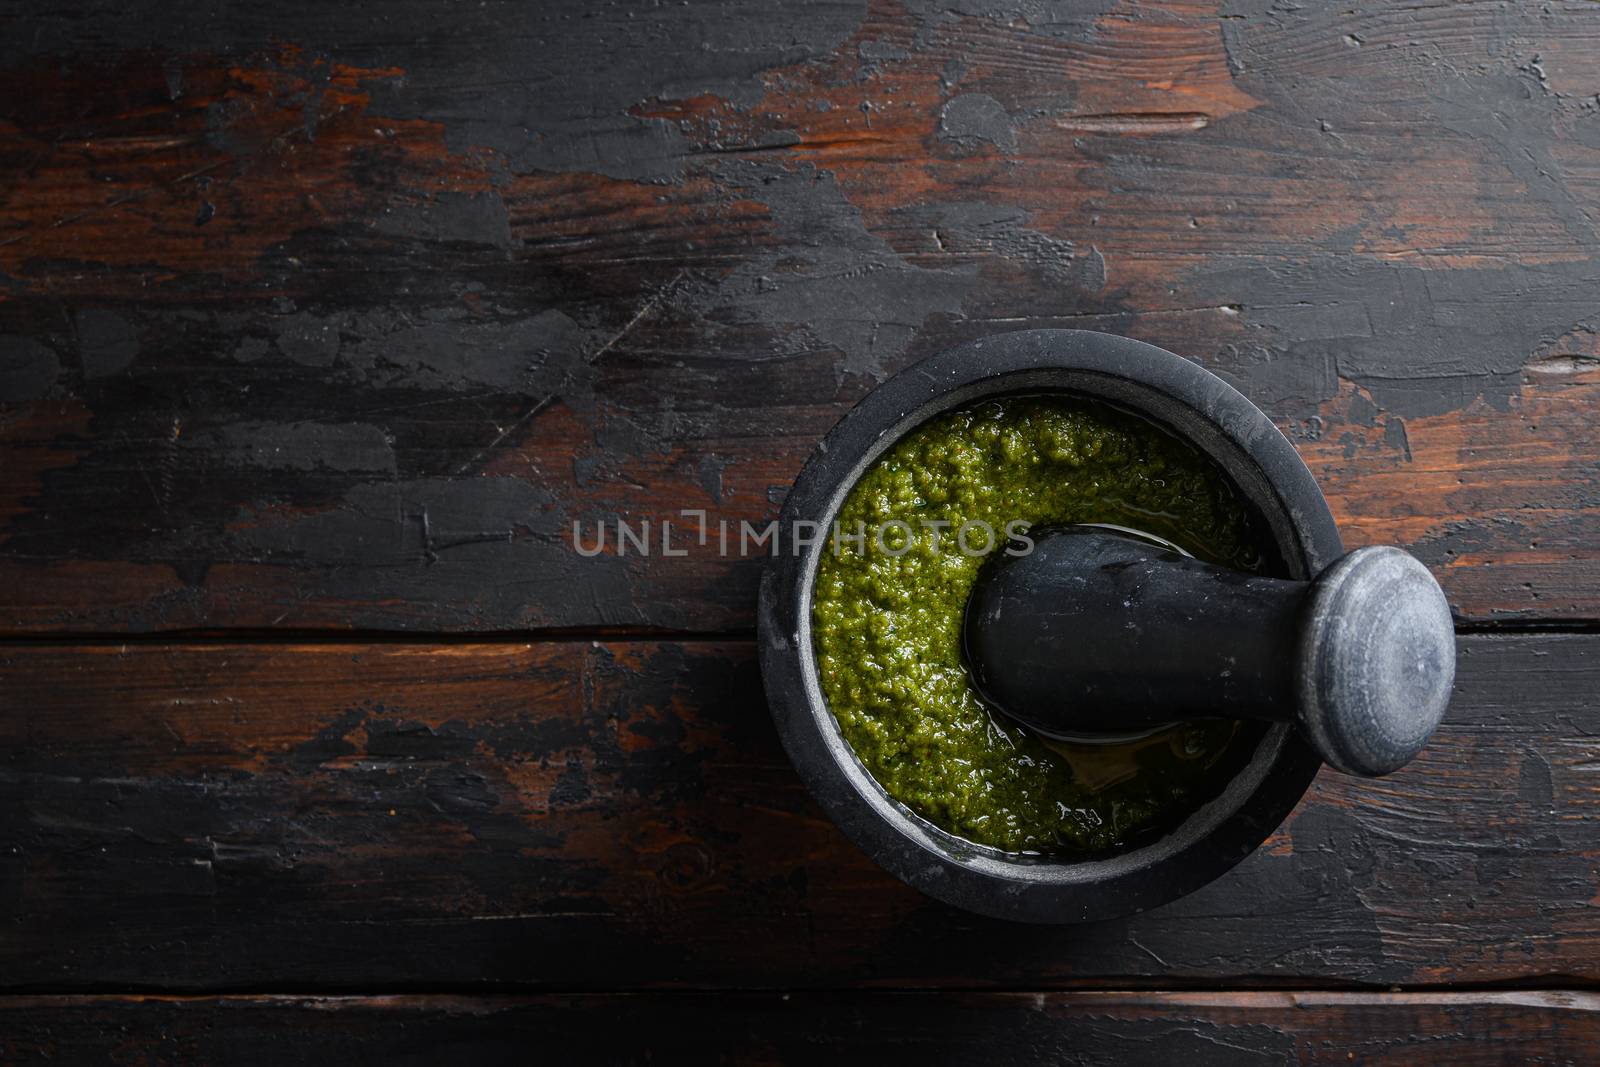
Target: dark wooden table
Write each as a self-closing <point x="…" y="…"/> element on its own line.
<point x="321" y="324"/>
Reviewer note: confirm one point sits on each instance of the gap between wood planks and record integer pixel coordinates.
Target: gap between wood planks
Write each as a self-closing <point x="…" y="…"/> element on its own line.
<point x="1563" y="991"/>
<point x="1515" y="627"/>
<point x="1568" y="998"/>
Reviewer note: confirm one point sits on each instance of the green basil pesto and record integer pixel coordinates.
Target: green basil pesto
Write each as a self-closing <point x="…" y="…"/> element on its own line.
<point x="887" y="615"/>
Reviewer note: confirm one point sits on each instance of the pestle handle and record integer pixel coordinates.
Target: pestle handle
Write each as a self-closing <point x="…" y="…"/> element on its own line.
<point x="1096" y="631"/>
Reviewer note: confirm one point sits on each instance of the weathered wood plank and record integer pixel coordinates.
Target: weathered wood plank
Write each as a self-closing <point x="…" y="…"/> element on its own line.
<point x="576" y="815"/>
<point x="308" y="322"/>
<point x="1124" y="1029"/>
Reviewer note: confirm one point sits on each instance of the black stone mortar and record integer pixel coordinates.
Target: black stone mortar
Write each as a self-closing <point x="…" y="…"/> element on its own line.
<point x="1167" y="389"/>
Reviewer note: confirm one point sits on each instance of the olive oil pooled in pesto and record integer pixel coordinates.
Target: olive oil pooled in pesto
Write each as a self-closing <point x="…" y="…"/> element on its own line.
<point x="888" y="607"/>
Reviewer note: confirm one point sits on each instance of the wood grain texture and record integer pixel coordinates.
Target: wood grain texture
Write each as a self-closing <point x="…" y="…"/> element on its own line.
<point x="574" y="815"/>
<point x="312" y="321"/>
<point x="1083" y="1029"/>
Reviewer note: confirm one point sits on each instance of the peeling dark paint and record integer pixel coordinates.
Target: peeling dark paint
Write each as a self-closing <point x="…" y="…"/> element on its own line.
<point x="443" y="348"/>
<point x="973" y="119"/>
<point x="839" y="284"/>
<point x="302" y="446"/>
<point x="473" y="218"/>
<point x="1072" y="20"/>
<point x="710" y="470"/>
<point x="1514" y="113"/>
<point x="107" y="342"/>
<point x="27" y="369"/>
<point x="1394" y="435"/>
<point x="491" y="546"/>
<point x="994" y="230"/>
<point x="1420" y="342"/>
<point x="308" y="340"/>
<point x="573" y="785"/>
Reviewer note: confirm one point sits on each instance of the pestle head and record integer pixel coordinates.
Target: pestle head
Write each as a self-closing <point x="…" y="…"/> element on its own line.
<point x="1377" y="660"/>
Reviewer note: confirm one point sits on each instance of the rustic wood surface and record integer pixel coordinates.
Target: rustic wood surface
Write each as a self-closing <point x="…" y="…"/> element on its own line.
<point x="1082" y="1029"/>
<point x="309" y="318"/>
<point x="578" y="815"/>
<point x="320" y="326"/>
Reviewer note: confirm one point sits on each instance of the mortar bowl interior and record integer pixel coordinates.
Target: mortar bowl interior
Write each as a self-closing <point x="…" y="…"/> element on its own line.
<point x="1160" y="386"/>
